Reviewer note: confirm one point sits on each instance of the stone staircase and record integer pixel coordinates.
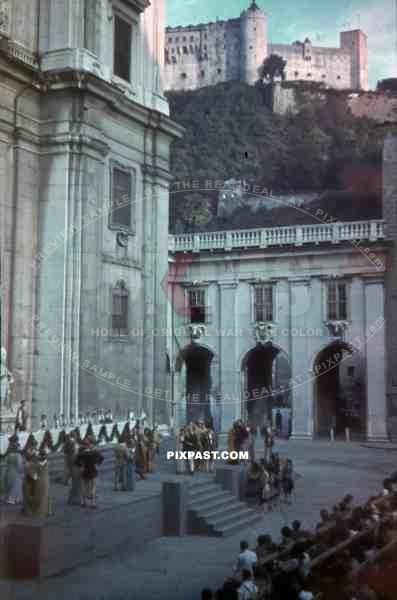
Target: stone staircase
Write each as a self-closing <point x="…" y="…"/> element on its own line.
<point x="216" y="512"/>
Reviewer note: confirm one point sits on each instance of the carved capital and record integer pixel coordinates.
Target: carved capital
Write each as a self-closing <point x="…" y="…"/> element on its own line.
<point x="264" y="332"/>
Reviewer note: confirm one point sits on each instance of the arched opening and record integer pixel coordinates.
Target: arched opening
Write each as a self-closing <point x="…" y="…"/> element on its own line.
<point x="266" y="376"/>
<point x="339" y="386"/>
<point x="197" y="361"/>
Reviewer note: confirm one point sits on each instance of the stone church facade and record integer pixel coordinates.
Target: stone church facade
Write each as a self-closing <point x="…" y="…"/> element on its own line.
<point x="284" y="317"/>
<point x="209" y="53"/>
<point x="84" y="136"/>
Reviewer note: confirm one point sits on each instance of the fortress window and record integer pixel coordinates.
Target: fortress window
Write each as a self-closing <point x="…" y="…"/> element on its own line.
<point x="174" y="59"/>
<point x="192" y="38"/>
<point x="324" y="76"/>
<point x="296" y="73"/>
<point x="170" y="40"/>
<point x="122" y="187"/>
<point x="219" y="71"/>
<point x="172" y="50"/>
<point x="183" y="75"/>
<point x="202" y="73"/>
<point x="251" y="47"/>
<point x="122" y="48"/>
<point x="177" y="39"/>
<point x="205" y="47"/>
<point x="191" y="48"/>
<point x="185" y="50"/>
<point x="309" y="74"/>
<point x="205" y="36"/>
<point x="338" y="77"/>
<point x="184" y="39"/>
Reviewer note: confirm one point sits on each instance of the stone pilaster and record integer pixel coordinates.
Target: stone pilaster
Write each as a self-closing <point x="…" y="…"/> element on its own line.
<point x="390" y="219"/>
<point x="375" y="361"/>
<point x="229" y="387"/>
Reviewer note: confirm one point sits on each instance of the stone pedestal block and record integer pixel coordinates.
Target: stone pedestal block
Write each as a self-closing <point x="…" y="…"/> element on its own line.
<point x="175" y="497"/>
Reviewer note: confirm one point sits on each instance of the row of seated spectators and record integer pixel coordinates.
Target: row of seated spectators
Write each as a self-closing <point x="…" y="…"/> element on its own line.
<point x="324" y="563"/>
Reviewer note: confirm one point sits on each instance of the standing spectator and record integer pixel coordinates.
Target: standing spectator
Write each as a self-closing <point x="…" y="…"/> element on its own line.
<point x="279" y="422"/>
<point x="246" y="559"/>
<point x="88" y="459"/>
<point x="287" y="480"/>
<point x="247" y="589"/>
<point x="14" y="472"/>
<point x="69" y="455"/>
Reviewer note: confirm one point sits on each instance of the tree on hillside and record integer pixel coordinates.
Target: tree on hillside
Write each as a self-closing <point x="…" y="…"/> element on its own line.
<point x="273" y="66"/>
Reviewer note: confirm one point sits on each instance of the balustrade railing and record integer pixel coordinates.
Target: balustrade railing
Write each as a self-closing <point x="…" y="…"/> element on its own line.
<point x="293" y="235"/>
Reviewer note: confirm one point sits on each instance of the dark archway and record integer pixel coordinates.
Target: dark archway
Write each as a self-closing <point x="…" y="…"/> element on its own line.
<point x="339" y="385"/>
<point x="266" y="375"/>
<point x="197" y="360"/>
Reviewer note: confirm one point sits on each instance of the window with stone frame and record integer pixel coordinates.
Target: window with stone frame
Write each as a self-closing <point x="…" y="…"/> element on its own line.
<point x="336" y="300"/>
<point x="122" y="48"/>
<point x="263" y="302"/>
<point x="120" y="298"/>
<point x="123" y="196"/>
<point x="197" y="304"/>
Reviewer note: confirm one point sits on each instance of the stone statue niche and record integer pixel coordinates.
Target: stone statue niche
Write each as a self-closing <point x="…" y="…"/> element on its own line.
<point x="7" y="395"/>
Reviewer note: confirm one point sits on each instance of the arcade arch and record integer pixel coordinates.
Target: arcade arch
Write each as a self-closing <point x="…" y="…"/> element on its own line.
<point x="339" y="391"/>
<point x="265" y="381"/>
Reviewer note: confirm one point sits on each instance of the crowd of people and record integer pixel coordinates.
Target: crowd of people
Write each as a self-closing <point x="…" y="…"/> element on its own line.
<point x="328" y="562"/>
<point x="196" y="437"/>
<point x="26" y="479"/>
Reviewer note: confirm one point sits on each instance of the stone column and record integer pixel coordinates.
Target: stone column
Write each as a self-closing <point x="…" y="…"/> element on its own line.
<point x="375" y="361"/>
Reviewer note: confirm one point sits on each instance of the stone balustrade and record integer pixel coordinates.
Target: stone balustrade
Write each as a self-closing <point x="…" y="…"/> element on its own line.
<point x="291" y="235"/>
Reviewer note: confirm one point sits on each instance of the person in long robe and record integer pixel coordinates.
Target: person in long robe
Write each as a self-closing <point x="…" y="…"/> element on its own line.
<point x="232" y="443"/>
<point x="36" y="485"/>
<point x="140" y="456"/>
<point x="75" y="494"/>
<point x="14" y="472"/>
<point x="69" y="455"/>
<point x="88" y="459"/>
<point x="131" y="455"/>
<point x="120" y="467"/>
<point x="180" y="462"/>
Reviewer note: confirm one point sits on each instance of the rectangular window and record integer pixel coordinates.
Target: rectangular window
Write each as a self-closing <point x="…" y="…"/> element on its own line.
<point x="122" y="48"/>
<point x="119" y="309"/>
<point x="197" y="305"/>
<point x="337" y="301"/>
<point x="123" y="198"/>
<point x="263" y="303"/>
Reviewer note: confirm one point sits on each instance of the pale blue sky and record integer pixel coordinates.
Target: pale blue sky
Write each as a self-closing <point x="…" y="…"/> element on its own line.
<point x="321" y="21"/>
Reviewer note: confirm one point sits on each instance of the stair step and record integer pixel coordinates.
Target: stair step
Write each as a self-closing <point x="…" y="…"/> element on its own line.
<point x="201" y="490"/>
<point x="240" y="524"/>
<point x="231" y="517"/>
<point x="220" y="510"/>
<point x="207" y="493"/>
<point x="210" y="501"/>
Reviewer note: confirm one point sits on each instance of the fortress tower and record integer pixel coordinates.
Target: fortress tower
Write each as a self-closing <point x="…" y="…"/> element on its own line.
<point x="253" y="42"/>
<point x="355" y="42"/>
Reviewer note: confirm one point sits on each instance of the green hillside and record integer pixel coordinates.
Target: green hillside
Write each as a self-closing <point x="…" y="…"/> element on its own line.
<point x="230" y="132"/>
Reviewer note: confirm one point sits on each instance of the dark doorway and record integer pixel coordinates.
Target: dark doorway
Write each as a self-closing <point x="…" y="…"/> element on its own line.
<point x="339" y="391"/>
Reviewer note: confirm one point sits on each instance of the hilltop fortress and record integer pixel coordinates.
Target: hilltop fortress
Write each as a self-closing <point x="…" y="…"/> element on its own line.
<point x="209" y="53"/>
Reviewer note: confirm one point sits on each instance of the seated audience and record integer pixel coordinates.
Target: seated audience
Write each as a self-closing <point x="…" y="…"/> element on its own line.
<point x="247" y="589"/>
<point x="246" y="559"/>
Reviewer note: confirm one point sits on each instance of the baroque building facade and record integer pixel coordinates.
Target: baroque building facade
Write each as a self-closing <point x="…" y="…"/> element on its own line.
<point x="233" y="50"/>
<point x="84" y="135"/>
<point x="284" y="317"/>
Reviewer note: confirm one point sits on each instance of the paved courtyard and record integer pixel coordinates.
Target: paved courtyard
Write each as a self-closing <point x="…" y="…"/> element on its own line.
<point x="179" y="568"/>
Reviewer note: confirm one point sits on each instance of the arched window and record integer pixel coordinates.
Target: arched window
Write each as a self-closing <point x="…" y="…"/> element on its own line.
<point x="120" y="306"/>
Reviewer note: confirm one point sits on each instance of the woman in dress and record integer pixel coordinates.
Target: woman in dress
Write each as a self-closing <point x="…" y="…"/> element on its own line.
<point x="131" y="448"/>
<point x="180" y="462"/>
<point x="14" y="472"/>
